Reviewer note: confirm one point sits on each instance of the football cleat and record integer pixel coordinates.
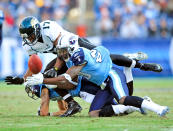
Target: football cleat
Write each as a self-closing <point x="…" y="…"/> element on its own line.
<point x="142" y="110"/>
<point x="136" y="56"/>
<point x="151" y="67"/>
<point x="73" y="108"/>
<point x="163" y="111"/>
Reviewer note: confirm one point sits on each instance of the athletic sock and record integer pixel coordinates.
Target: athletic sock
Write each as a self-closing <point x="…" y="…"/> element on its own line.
<point x="133" y="101"/>
<point x="138" y="65"/>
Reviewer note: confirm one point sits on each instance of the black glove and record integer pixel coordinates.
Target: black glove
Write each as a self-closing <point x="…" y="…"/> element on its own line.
<point x="14" y="80"/>
<point x="53" y="72"/>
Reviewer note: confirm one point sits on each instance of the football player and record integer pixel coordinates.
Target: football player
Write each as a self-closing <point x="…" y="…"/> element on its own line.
<point x="43" y="38"/>
<point x="85" y="90"/>
<point x="96" y="66"/>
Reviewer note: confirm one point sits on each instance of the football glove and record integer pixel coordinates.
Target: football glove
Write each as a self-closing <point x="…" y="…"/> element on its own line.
<point x="14" y="80"/>
<point x="35" y="79"/>
<point x="53" y="72"/>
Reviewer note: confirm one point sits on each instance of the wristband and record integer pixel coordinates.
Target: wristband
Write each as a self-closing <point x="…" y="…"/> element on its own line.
<point x="68" y="77"/>
<point x="56" y="68"/>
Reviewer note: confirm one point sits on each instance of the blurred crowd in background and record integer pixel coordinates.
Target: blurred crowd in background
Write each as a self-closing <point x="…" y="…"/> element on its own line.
<point x="110" y="18"/>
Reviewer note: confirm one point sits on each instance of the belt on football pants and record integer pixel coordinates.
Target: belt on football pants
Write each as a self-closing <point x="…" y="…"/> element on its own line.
<point x="104" y="84"/>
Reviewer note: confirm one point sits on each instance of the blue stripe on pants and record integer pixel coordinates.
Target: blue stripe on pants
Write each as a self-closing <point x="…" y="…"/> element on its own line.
<point x="117" y="84"/>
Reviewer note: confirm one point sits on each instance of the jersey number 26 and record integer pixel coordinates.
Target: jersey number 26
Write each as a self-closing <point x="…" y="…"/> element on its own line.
<point x="96" y="54"/>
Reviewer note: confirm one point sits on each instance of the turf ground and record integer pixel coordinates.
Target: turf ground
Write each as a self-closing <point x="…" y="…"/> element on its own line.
<point x="18" y="112"/>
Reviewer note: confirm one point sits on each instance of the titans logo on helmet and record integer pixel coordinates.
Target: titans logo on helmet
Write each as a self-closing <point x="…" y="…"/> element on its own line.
<point x="72" y="40"/>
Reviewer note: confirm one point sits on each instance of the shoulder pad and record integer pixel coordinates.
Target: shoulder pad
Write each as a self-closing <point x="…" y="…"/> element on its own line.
<point x="78" y="57"/>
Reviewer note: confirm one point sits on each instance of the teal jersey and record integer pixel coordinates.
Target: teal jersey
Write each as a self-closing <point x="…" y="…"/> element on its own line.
<point x="98" y="63"/>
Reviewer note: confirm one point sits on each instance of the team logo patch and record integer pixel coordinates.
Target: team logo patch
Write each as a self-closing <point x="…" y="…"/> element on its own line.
<point x="72" y="40"/>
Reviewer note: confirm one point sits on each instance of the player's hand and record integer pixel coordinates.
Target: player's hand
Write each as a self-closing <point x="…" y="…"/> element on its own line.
<point x="35" y="79"/>
<point x="14" y="80"/>
<point x="53" y="72"/>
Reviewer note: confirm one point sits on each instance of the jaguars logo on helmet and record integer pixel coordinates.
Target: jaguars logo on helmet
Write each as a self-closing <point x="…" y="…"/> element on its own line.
<point x="30" y="30"/>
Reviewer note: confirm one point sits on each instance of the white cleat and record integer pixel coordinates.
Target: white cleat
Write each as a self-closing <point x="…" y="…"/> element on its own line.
<point x="163" y="111"/>
<point x="136" y="56"/>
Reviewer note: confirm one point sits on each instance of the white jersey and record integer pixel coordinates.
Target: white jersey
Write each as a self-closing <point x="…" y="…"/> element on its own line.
<point x="50" y="30"/>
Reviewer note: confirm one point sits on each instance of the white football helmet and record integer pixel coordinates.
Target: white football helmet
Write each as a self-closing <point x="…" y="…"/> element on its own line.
<point x="66" y="46"/>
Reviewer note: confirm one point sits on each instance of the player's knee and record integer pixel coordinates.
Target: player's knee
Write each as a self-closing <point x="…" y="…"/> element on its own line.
<point x="121" y="101"/>
<point x="94" y="113"/>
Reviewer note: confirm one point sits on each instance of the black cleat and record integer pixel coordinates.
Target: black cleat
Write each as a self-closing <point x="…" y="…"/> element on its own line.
<point x="73" y="108"/>
<point x="151" y="67"/>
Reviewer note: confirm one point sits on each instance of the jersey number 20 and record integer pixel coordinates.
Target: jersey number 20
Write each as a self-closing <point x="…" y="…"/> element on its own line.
<point x="96" y="54"/>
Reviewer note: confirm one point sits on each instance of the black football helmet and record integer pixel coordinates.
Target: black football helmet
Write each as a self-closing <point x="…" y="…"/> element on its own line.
<point x="30" y="30"/>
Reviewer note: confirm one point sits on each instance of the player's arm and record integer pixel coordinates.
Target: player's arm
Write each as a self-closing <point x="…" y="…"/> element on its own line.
<point x="28" y="73"/>
<point x="64" y="81"/>
<point x="44" y="108"/>
<point x="16" y="79"/>
<point x="62" y="105"/>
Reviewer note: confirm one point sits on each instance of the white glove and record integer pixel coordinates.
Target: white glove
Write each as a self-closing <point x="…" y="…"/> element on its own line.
<point x="35" y="79"/>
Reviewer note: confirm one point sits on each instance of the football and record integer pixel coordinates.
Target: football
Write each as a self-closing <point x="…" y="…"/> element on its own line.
<point x="35" y="64"/>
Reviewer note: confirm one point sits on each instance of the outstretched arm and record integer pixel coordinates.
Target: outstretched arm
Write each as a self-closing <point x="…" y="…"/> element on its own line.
<point x="44" y="108"/>
<point x="63" y="81"/>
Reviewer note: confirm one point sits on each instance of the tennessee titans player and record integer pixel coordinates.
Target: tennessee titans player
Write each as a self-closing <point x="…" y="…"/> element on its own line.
<point x="95" y="65"/>
<point x="85" y="90"/>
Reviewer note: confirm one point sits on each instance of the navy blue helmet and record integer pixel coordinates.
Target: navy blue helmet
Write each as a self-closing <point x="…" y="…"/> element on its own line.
<point x="30" y="30"/>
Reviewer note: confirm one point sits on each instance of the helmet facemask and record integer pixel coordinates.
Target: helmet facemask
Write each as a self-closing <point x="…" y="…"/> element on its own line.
<point x="64" y="54"/>
<point x="66" y="47"/>
<point x="30" y="90"/>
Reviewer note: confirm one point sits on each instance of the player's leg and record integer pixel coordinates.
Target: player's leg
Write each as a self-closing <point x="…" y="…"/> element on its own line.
<point x="132" y="60"/>
<point x="120" y="92"/>
<point x="129" y="79"/>
<point x="85" y="43"/>
<point x="100" y="99"/>
<point x="103" y="105"/>
<point x="102" y="102"/>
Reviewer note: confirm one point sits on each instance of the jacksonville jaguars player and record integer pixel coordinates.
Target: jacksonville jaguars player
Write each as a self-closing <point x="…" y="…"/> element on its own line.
<point x="43" y="38"/>
<point x="96" y="66"/>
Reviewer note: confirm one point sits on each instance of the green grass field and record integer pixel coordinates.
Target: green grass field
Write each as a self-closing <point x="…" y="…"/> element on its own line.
<point x="18" y="112"/>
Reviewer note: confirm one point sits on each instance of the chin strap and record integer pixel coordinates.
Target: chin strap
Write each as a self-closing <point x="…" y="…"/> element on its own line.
<point x="68" y="77"/>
